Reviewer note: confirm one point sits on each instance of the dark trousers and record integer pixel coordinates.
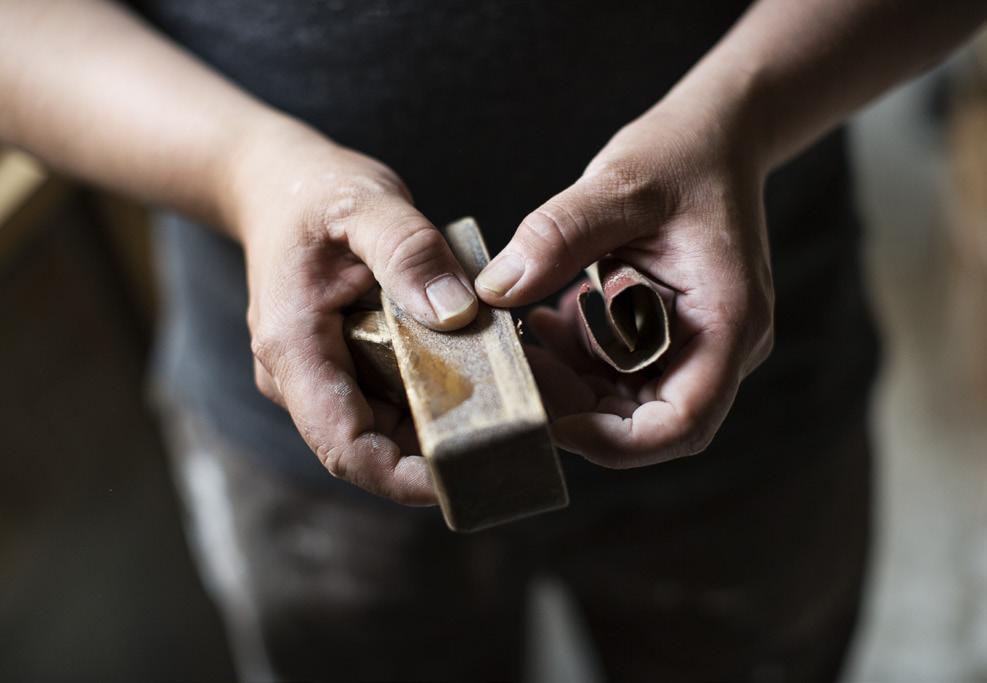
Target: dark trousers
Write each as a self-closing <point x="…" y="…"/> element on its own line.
<point x="761" y="584"/>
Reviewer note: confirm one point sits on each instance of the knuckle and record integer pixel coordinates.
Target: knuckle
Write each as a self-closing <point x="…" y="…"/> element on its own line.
<point x="342" y="205"/>
<point x="346" y="201"/>
<point x="351" y="198"/>
<point x="376" y="178"/>
<point x="270" y="345"/>
<point x="629" y="190"/>
<point x="266" y="344"/>
<point x="265" y="384"/>
<point x="553" y="229"/>
<point x="333" y="458"/>
<point x="285" y="327"/>
<point x="402" y="249"/>
<point x="619" y="178"/>
<point x="289" y="344"/>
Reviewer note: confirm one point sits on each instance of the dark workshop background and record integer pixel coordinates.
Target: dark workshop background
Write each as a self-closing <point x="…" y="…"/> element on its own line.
<point x="95" y="579"/>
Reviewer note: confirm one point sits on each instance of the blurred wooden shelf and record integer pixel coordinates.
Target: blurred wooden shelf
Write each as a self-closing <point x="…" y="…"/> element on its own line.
<point x="28" y="193"/>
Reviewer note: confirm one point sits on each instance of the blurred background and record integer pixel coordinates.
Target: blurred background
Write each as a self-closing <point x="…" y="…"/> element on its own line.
<point x="95" y="579"/>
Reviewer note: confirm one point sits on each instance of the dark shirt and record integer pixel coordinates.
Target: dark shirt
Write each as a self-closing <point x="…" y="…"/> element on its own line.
<point x="487" y="108"/>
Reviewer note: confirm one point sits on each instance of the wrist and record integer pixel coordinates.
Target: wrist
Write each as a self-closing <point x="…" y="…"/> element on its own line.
<point x="269" y="156"/>
<point x="719" y="100"/>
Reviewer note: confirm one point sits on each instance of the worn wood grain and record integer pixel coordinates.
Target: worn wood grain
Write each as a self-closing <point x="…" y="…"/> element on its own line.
<point x="476" y="408"/>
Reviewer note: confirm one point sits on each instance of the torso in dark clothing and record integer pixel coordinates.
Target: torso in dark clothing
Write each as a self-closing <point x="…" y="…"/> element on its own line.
<point x="488" y="108"/>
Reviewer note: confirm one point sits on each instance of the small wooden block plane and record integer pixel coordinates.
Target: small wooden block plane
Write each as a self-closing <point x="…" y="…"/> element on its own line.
<point x="477" y="411"/>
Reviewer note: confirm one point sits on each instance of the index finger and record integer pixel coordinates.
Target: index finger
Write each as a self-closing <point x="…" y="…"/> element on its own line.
<point x="337" y="422"/>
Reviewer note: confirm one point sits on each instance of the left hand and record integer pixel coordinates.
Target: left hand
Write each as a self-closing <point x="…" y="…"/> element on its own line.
<point x="674" y="198"/>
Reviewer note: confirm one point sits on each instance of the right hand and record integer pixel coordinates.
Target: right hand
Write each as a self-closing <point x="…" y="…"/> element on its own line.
<point x="320" y="226"/>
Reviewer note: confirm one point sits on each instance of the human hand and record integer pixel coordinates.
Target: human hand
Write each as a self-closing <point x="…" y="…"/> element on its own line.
<point x="673" y="195"/>
<point x="320" y="225"/>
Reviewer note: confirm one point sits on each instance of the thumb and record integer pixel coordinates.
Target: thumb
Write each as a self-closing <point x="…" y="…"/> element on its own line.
<point x="413" y="264"/>
<point x="553" y="244"/>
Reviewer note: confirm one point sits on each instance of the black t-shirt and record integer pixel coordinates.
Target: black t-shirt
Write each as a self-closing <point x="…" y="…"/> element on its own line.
<point x="487" y="108"/>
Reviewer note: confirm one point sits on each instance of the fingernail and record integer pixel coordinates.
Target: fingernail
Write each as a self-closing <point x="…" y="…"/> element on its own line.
<point x="448" y="296"/>
<point x="502" y="273"/>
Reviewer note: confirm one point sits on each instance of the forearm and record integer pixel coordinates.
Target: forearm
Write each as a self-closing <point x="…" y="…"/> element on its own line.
<point x="790" y="70"/>
<point x="94" y="92"/>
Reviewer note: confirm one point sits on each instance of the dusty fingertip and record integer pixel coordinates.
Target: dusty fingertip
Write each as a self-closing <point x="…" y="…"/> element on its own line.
<point x="416" y="482"/>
